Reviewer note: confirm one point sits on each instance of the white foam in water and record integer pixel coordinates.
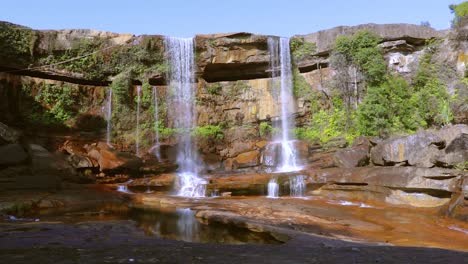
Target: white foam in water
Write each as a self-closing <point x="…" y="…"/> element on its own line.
<point x="191" y="185"/>
<point x="348" y="203"/>
<point x="181" y="97"/>
<point x="123" y="189"/>
<point x="459" y="229"/>
<point x="273" y="188"/>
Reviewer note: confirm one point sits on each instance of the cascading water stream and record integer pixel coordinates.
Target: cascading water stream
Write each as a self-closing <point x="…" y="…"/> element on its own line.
<point x="297" y="186"/>
<point x="280" y="48"/>
<point x="109" y="116"/>
<point x="181" y="97"/>
<point x="156" y="148"/>
<point x="137" y="130"/>
<point x="273" y="188"/>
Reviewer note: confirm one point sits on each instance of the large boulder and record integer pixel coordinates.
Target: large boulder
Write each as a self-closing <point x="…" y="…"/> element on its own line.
<point x="456" y="153"/>
<point x="110" y="160"/>
<point x="420" y="150"/>
<point x="247" y="159"/>
<point x="412" y="178"/>
<point x="456" y="150"/>
<point x="355" y="156"/>
<point x="8" y="134"/>
<point x="12" y="154"/>
<point x="82" y="162"/>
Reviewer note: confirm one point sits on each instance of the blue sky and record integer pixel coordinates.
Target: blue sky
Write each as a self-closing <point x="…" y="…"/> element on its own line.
<point x="186" y="18"/>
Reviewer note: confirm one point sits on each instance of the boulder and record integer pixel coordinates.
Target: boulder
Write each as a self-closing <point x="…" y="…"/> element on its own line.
<point x="111" y="160"/>
<point x="449" y="133"/>
<point x="355" y="156"/>
<point x="12" y="154"/>
<point x="456" y="153"/>
<point x="236" y="148"/>
<point x="247" y="159"/>
<point x="81" y="162"/>
<point x="437" y="179"/>
<point x="161" y="180"/>
<point x="8" y="134"/>
<point x="420" y="150"/>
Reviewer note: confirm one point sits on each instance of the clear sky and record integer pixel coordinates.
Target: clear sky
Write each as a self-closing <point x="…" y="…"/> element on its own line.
<point x="186" y="18"/>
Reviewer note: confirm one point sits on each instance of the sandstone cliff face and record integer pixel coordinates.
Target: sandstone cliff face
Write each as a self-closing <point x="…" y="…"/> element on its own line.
<point x="233" y="75"/>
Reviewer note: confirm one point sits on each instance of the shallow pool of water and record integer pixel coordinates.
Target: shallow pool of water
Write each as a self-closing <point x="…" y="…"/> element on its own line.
<point x="167" y="223"/>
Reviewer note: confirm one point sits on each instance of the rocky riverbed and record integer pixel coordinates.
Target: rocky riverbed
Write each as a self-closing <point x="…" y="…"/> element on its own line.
<point x="309" y="230"/>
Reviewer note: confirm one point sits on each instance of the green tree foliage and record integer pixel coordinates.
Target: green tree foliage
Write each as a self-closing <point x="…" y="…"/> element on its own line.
<point x="120" y="89"/>
<point x="16" y="42"/>
<point x="362" y="50"/>
<point x="460" y="11"/>
<point x="302" y="49"/>
<point x="214" y="89"/>
<point x="265" y="129"/>
<point x="208" y="131"/>
<point x="325" y="125"/>
<point x="52" y="105"/>
<point x="386" y="109"/>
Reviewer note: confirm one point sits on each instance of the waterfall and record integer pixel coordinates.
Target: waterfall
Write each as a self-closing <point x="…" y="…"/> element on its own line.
<point x="273" y="188"/>
<point x="280" y="48"/>
<point x="156" y="147"/>
<point x="181" y="97"/>
<point x="109" y="116"/>
<point x="297" y="186"/>
<point x="137" y="132"/>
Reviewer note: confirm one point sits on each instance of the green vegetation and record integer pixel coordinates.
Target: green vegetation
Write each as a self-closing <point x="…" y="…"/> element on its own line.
<point x="460" y="11"/>
<point x="214" y="89"/>
<point x="99" y="58"/>
<point x="387" y="109"/>
<point x="300" y="86"/>
<point x="208" y="131"/>
<point x="52" y="104"/>
<point x="265" y="129"/>
<point x="372" y="102"/>
<point x="362" y="51"/>
<point x="16" y="42"/>
<point x="301" y="49"/>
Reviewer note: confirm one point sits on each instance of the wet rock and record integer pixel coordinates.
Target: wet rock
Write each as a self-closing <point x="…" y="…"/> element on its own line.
<point x="12" y="154"/>
<point x="237" y="148"/>
<point x="8" y="134"/>
<point x="247" y="159"/>
<point x="437" y="179"/>
<point x="161" y="180"/>
<point x="111" y="160"/>
<point x="81" y="162"/>
<point x="415" y="199"/>
<point x="228" y="164"/>
<point x="238" y="181"/>
<point x="355" y="156"/>
<point x="212" y="162"/>
<point x="420" y="150"/>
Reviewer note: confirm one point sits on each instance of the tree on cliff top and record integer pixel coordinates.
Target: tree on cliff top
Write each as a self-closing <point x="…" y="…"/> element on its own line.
<point x="461" y="13"/>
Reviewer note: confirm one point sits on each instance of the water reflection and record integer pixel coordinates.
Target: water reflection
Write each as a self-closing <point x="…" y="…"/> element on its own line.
<point x="163" y="222"/>
<point x="181" y="224"/>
